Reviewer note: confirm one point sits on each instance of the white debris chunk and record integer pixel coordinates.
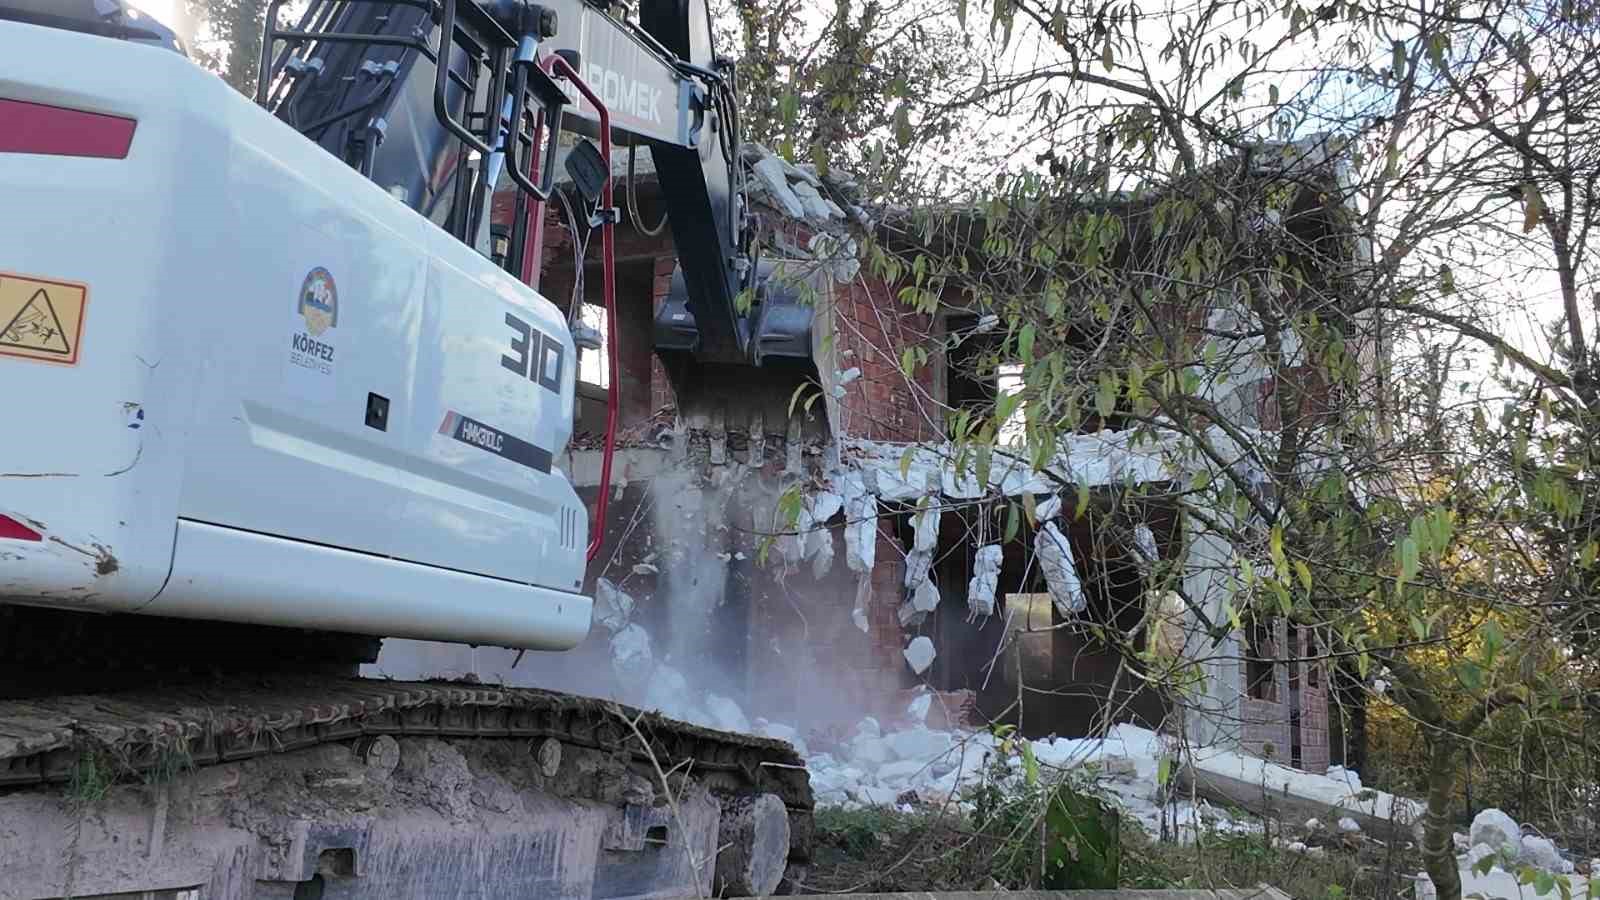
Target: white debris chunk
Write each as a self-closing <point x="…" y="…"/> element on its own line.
<point x="816" y="207"/>
<point x="902" y="772"/>
<point x="1542" y="853"/>
<point x="1499" y="831"/>
<point x="631" y="658"/>
<point x="923" y="600"/>
<point x="985" y="580"/>
<point x="818" y="547"/>
<point x="669" y="693"/>
<point x="873" y="796"/>
<point x="1476" y="855"/>
<point x="805" y="172"/>
<point x="1348" y="776"/>
<point x="918" y="564"/>
<point x="778" y="731"/>
<point x="918" y="709"/>
<point x="925" y="524"/>
<point x="920" y="745"/>
<point x="861" y="525"/>
<point x="869" y="727"/>
<point x="870" y="751"/>
<point x="726" y="714"/>
<point x="848" y="375"/>
<point x="919" y="654"/>
<point x="1144" y="545"/>
<point x="770" y="171"/>
<point x="612" y="606"/>
<point x="987" y="323"/>
<point x="858" y="615"/>
<point x="1048" y="508"/>
<point x="1060" y="572"/>
<point x="791" y="545"/>
<point x="1349" y="825"/>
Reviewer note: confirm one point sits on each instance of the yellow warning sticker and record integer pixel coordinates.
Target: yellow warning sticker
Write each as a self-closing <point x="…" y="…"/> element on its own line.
<point x="41" y="318"/>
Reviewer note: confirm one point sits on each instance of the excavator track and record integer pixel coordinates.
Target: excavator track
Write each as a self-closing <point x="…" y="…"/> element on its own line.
<point x="192" y="727"/>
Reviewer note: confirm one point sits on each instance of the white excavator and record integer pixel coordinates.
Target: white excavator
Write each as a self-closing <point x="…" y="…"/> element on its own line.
<point x="276" y="381"/>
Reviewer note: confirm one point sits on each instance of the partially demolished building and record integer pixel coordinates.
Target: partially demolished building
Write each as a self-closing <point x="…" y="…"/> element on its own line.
<point x="899" y="576"/>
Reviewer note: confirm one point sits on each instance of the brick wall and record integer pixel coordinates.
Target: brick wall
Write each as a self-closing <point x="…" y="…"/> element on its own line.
<point x="871" y="329"/>
<point x="1268" y="724"/>
<point x="814" y="663"/>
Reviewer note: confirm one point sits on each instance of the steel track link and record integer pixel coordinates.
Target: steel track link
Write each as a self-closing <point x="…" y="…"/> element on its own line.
<point x="43" y="741"/>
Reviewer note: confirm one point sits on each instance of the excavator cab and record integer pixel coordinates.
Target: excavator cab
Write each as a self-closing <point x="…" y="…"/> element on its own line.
<point x="354" y="76"/>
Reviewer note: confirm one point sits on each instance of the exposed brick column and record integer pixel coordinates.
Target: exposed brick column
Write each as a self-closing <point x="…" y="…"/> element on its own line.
<point x="1314" y="746"/>
<point x="661" y="395"/>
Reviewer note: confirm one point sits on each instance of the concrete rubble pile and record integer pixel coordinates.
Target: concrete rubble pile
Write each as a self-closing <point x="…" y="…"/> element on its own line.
<point x="1497" y="838"/>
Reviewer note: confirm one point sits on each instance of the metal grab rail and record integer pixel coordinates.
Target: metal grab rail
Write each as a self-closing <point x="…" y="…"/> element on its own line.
<point x="556" y="66"/>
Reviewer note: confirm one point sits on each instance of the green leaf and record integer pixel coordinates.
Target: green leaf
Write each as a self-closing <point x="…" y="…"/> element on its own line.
<point x="906" y="459"/>
<point x="1419" y="628"/>
<point x="1163" y="771"/>
<point x="1493" y="639"/>
<point x="1030" y="765"/>
<point x="1105" y="395"/>
<point x="908" y="362"/>
<point x="1544" y="883"/>
<point x="1005" y="406"/>
<point x="1106" y="57"/>
<point x="1471" y="675"/>
<point x="1083" y="499"/>
<point x="961" y="13"/>
<point x="1025" y="343"/>
<point x="1272" y="94"/>
<point x="902" y="125"/>
<point x="795" y="397"/>
<point x="982" y="464"/>
<point x="1408" y="560"/>
<point x="1013" y="521"/>
<point x="1030" y="509"/>
<point x="1447" y="281"/>
<point x="1304" y="572"/>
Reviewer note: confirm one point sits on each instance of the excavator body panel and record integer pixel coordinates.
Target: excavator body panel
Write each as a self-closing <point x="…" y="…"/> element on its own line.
<point x="239" y="381"/>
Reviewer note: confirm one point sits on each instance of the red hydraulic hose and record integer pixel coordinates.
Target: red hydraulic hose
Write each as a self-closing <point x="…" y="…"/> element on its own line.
<point x="558" y="67"/>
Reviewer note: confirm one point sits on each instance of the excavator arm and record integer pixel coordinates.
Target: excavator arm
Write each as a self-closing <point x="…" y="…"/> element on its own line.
<point x="363" y="78"/>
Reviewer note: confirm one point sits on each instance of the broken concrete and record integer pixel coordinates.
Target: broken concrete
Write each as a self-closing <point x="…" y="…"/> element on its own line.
<point x="919" y="654"/>
<point x="1060" y="572"/>
<point x="985" y="580"/>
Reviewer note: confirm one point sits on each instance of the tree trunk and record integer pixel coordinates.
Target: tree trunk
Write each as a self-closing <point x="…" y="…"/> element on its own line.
<point x="1438" y="835"/>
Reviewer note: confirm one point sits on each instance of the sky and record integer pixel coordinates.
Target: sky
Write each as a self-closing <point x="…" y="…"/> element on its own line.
<point x="163" y="11"/>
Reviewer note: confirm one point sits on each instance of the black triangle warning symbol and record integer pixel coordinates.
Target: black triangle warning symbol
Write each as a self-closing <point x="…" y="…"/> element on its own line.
<point x="36" y="327"/>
